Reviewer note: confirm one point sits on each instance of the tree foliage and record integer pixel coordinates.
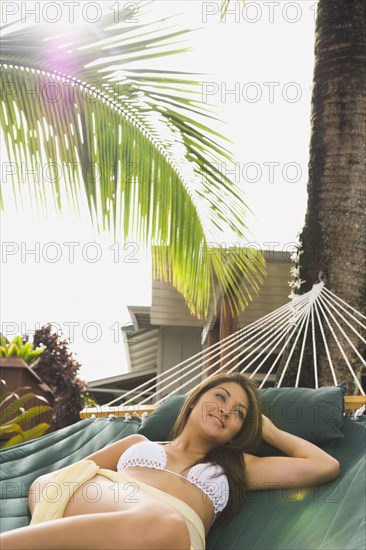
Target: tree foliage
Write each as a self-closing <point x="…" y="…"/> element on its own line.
<point x="58" y="369"/>
<point x="135" y="141"/>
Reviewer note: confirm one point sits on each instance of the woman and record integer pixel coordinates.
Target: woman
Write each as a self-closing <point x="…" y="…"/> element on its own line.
<point x="137" y="494"/>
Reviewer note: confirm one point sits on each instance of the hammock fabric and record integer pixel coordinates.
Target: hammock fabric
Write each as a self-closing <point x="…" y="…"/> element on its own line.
<point x="329" y="517"/>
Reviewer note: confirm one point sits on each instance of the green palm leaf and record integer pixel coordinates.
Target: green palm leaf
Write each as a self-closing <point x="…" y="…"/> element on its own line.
<point x="136" y="142"/>
<point x="26" y="416"/>
<point x="26" y="435"/>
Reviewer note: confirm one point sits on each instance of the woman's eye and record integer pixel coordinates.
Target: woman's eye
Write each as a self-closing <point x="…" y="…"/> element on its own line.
<point x="220" y="396"/>
<point x="239" y="414"/>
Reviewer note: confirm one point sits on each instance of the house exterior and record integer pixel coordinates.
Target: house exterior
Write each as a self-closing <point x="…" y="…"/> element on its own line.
<point x="165" y="334"/>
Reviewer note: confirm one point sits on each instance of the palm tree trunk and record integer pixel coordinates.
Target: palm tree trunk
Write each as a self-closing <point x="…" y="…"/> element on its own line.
<point x="226" y="323"/>
<point x="334" y="235"/>
<point x="228" y="326"/>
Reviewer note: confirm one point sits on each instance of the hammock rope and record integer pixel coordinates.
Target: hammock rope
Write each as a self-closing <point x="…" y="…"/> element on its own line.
<point x="251" y="347"/>
<point x="200" y="357"/>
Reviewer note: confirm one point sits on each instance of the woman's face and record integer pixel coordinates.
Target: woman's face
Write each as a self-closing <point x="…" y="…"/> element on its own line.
<point x="221" y="411"/>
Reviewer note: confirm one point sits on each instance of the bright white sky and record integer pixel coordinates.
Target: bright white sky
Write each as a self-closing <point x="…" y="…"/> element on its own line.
<point x="258" y="65"/>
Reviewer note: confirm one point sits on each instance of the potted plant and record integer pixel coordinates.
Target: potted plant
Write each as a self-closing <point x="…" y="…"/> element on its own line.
<point x="20" y="412"/>
<point x="20" y="382"/>
<point x="18" y="348"/>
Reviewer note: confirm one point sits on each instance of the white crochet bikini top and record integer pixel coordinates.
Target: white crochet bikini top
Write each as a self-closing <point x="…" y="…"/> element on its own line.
<point x="210" y="478"/>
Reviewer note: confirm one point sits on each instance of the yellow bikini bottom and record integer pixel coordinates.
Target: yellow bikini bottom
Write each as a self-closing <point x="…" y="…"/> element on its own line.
<point x="63" y="486"/>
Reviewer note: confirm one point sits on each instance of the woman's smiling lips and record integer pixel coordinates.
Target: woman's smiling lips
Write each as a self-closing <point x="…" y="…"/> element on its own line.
<point x="217" y="420"/>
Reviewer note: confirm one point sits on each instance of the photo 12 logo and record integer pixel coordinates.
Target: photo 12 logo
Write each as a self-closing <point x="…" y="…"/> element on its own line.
<point x="54" y="252"/>
<point x="239" y="11"/>
<point x="252" y="92"/>
<point x="52" y="172"/>
<point x="56" y="88"/>
<point x="68" y="11"/>
<point x="90" y="332"/>
<point x="257" y="172"/>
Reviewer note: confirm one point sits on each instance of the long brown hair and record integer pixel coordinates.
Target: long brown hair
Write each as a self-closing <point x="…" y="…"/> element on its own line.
<point x="230" y="455"/>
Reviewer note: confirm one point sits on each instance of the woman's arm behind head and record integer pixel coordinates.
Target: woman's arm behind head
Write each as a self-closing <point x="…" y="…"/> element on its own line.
<point x="305" y="464"/>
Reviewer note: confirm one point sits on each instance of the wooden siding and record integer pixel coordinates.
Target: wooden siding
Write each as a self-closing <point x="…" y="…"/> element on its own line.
<point x="143" y="349"/>
<point x="169" y="308"/>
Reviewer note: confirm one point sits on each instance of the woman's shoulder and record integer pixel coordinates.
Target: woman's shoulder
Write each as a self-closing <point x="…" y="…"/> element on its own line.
<point x="135" y="438"/>
<point x="108" y="456"/>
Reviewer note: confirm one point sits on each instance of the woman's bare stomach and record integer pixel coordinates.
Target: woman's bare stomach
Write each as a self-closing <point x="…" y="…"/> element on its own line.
<point x="100" y="494"/>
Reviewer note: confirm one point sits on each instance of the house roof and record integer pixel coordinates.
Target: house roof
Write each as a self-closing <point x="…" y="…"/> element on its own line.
<point x="107" y="389"/>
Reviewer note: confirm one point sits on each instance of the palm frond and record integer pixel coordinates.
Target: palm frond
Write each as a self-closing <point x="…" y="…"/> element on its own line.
<point x="135" y="140"/>
<point x="225" y="6"/>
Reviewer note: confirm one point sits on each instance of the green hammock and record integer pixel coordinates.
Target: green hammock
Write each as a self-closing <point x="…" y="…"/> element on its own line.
<point x="327" y="517"/>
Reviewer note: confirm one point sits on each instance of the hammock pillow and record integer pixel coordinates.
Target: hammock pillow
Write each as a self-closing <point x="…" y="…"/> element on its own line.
<point x="159" y="425"/>
<point x="313" y="414"/>
<point x="316" y="415"/>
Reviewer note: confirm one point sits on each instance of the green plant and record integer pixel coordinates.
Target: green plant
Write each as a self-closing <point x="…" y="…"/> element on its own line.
<point x="18" y="348"/>
<point x="136" y="142"/>
<point x="14" y="415"/>
<point x="88" y="400"/>
<point x="58" y="368"/>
